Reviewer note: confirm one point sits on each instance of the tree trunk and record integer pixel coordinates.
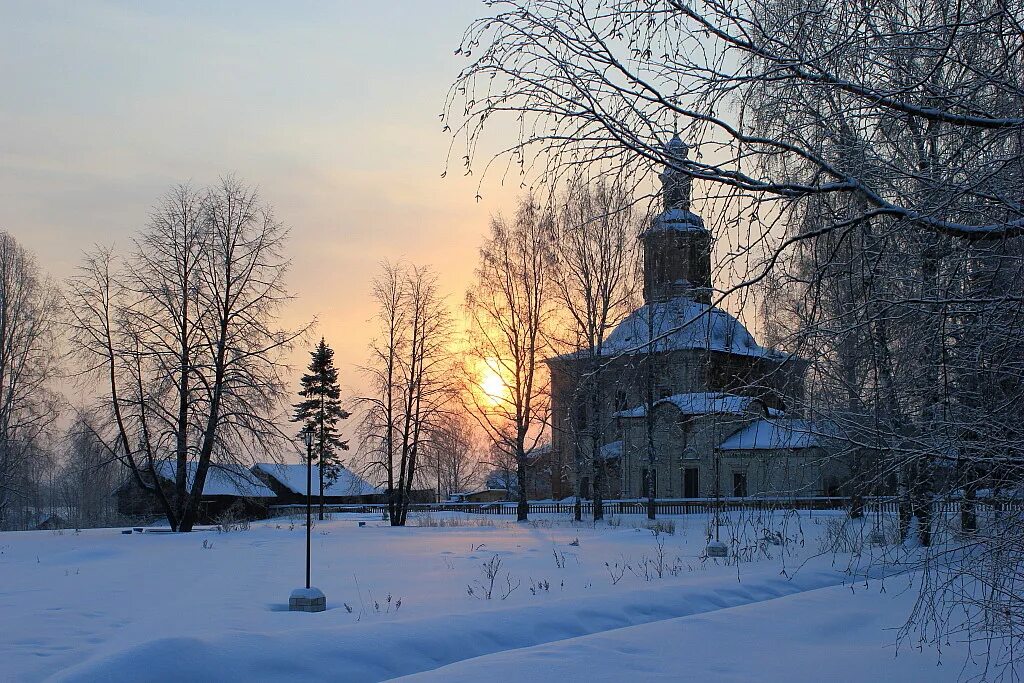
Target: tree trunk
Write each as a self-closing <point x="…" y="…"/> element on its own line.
<point x="321" y="485"/>
<point x="595" y="443"/>
<point x="523" y="508"/>
<point x="968" y="511"/>
<point x="649" y="417"/>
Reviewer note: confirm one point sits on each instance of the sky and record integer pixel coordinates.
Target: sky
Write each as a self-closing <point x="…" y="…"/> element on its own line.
<point x="330" y="108"/>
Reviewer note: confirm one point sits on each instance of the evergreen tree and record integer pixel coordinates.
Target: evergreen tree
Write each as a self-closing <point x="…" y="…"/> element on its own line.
<point x="320" y="410"/>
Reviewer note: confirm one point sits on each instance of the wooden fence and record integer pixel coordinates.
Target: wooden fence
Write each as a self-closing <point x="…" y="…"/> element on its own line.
<point x="673" y="506"/>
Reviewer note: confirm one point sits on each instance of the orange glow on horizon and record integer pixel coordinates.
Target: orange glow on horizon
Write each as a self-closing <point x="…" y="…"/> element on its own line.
<point x="493" y="389"/>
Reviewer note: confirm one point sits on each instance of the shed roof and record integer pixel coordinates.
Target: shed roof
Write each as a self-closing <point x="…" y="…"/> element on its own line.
<point x="293" y="478"/>
<point x="222" y="479"/>
<point x="486" y="489"/>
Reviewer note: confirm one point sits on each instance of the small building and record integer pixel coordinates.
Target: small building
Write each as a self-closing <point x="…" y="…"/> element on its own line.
<point x="229" y="490"/>
<point x="540" y="472"/>
<point x="50" y="521"/>
<point x="288" y="483"/>
<point x="421" y="496"/>
<point x="487" y="495"/>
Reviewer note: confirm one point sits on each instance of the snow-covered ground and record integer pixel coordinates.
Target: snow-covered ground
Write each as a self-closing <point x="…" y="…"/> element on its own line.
<point x="567" y="603"/>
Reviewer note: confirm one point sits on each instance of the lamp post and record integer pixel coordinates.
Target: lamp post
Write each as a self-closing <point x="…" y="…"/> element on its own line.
<point x="308" y="599"/>
<point x="716" y="548"/>
<point x="307" y="435"/>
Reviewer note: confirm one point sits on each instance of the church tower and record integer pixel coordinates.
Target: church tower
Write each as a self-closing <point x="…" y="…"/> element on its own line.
<point x="677" y="246"/>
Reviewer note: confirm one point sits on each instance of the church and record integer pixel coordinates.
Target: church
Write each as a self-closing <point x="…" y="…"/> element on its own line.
<point x="687" y="401"/>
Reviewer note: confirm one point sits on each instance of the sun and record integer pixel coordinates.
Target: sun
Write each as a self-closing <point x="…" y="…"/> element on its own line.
<point x="492" y="386"/>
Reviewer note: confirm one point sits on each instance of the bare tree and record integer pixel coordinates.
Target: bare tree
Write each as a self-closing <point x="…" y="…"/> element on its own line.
<point x="29" y="309"/>
<point x="88" y="477"/>
<point x="184" y="336"/>
<point x="410" y="372"/>
<point x="508" y="308"/>
<point x="596" y="282"/>
<point x="865" y="163"/>
<point x="502" y="472"/>
<point x="452" y="457"/>
<point x="602" y="83"/>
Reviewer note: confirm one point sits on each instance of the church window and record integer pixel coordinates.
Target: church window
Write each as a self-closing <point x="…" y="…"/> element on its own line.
<point x="581" y="416"/>
<point x="660" y="276"/>
<point x="739" y="484"/>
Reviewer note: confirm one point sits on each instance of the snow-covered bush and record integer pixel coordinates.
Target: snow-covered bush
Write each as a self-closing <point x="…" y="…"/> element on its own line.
<point x="484" y="588"/>
<point x="662" y="526"/>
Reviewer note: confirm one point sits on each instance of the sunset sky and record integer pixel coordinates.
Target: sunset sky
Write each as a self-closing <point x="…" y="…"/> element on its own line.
<point x="330" y="108"/>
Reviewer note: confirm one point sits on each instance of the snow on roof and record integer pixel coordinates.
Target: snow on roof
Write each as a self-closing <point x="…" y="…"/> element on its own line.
<point x="611" y="451"/>
<point x="222" y="479"/>
<point x="682" y="323"/>
<point x="293" y="478"/>
<point x="539" y="450"/>
<point x="677" y="219"/>
<point x="774" y="434"/>
<point x="476" y="491"/>
<point x="700" y="403"/>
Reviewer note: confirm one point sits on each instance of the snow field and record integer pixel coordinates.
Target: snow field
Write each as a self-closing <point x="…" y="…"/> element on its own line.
<point x="98" y="604"/>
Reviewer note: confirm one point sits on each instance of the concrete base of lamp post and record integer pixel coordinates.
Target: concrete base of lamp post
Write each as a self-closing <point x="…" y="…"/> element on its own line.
<point x="307" y="600"/>
<point x="717" y="549"/>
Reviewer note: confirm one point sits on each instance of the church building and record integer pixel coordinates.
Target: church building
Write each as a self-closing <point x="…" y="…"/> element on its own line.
<point x="721" y="406"/>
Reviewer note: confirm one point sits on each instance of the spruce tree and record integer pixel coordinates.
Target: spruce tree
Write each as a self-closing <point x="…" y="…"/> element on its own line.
<point x="320" y="410"/>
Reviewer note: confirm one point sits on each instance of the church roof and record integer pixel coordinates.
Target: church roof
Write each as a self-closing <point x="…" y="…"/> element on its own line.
<point x="678" y="220"/>
<point x="682" y="323"/>
<point x="775" y="434"/>
<point x="698" y="403"/>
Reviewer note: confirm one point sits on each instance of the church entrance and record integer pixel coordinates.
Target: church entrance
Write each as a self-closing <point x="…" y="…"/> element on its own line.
<point x="649" y="481"/>
<point x="691" y="482"/>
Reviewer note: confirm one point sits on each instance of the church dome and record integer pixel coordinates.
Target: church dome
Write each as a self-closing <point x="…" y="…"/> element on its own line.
<point x="676" y="220"/>
<point x="676" y="147"/>
<point x="682" y="323"/>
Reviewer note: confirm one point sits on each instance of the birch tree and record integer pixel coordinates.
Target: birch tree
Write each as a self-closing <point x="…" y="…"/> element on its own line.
<point x="183" y="333"/>
<point x="88" y="477"/>
<point x="509" y="310"/>
<point x="29" y="309"/>
<point x="595" y="285"/>
<point x="410" y="373"/>
<point x="603" y="83"/>
<point x="865" y="162"/>
<point x="453" y="456"/>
